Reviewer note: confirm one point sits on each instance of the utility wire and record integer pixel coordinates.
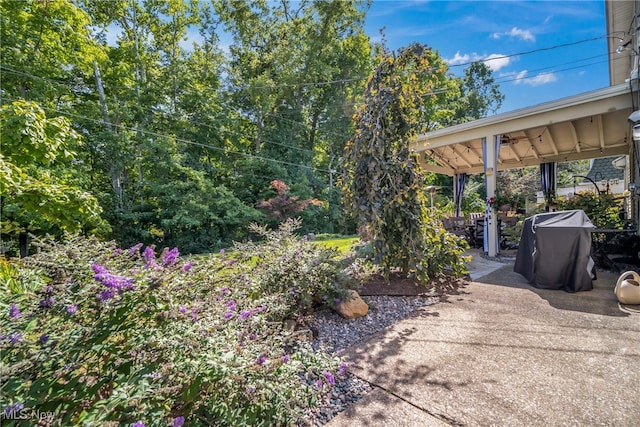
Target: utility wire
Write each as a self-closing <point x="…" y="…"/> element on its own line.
<point x="175" y="138"/>
<point x="352" y="79"/>
<point x="347" y="80"/>
<point x="151" y="110"/>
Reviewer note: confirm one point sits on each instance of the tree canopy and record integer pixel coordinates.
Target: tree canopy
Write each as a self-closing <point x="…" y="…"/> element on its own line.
<point x="178" y="136"/>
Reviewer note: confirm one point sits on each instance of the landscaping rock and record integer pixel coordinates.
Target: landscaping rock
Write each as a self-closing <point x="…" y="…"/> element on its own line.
<point x="353" y="307"/>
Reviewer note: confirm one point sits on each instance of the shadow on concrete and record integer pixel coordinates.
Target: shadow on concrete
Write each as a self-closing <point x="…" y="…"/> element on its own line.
<point x="601" y="300"/>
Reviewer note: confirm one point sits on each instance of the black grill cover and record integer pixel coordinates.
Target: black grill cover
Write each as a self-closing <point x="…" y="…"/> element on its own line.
<point x="555" y="251"/>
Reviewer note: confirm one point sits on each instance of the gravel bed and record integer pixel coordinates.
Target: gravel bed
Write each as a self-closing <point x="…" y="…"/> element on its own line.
<point x="333" y="333"/>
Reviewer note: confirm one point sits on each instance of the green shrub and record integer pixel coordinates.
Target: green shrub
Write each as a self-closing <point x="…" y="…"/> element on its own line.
<point x="94" y="334"/>
<point x="443" y="251"/>
<point x="602" y="209"/>
<point x="294" y="271"/>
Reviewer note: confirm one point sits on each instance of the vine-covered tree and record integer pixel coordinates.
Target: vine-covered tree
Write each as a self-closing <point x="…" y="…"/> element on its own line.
<point x="383" y="183"/>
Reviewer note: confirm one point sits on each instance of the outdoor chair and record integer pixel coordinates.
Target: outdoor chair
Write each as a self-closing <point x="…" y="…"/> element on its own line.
<point x="478" y="232"/>
<point x="455" y="225"/>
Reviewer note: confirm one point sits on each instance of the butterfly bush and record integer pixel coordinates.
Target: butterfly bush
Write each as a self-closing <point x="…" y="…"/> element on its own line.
<point x="298" y="273"/>
<point x="94" y="334"/>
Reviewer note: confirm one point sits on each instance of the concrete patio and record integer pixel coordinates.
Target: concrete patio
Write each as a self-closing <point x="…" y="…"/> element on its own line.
<point x="504" y="353"/>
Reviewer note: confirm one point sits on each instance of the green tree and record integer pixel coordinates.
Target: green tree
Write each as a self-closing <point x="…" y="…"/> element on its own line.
<point x="42" y="189"/>
<point x="294" y="76"/>
<point x="383" y="183"/>
<point x="46" y="50"/>
<point x="480" y="95"/>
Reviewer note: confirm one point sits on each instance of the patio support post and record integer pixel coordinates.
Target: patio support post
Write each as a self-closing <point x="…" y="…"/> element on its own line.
<point x="491" y="168"/>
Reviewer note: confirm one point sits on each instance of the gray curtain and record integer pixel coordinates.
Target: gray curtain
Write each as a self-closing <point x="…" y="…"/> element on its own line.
<point x="460" y="181"/>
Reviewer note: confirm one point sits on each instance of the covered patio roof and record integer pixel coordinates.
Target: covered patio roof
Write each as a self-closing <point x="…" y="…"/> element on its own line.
<point x="585" y="126"/>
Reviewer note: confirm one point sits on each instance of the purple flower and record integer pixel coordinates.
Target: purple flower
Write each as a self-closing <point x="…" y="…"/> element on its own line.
<point x="286" y="358"/>
<point x="149" y="256"/>
<point x="71" y="309"/>
<point x="329" y="377"/>
<point x="177" y="422"/>
<point x="222" y="252"/>
<point x="319" y="383"/>
<point x="261" y="360"/>
<point x="183" y="309"/>
<point x="14" y="337"/>
<point x="14" y="311"/>
<point x="231" y="305"/>
<point x="343" y="369"/>
<point x="47" y="302"/>
<point x="13" y="409"/>
<point x="139" y="424"/>
<point x="99" y="269"/>
<point x="228" y="315"/>
<point x="114" y="283"/>
<point x="187" y="266"/>
<point x="106" y="295"/>
<point x="49" y="289"/>
<point x="251" y="390"/>
<point x="170" y="257"/>
<point x="245" y="314"/>
<point x="44" y="338"/>
<point x="134" y="249"/>
<point x="118" y="251"/>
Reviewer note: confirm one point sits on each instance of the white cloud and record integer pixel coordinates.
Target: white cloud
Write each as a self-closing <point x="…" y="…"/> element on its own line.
<point x="522" y="34"/>
<point x="540" y="79"/>
<point x="495" y="61"/>
<point x="459" y="59"/>
<point x="516" y="33"/>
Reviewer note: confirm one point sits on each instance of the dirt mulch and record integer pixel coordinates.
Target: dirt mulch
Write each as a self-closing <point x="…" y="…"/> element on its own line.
<point x="398" y="285"/>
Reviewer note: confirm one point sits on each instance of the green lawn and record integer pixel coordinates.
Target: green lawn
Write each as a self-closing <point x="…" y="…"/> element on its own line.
<point x="342" y="244"/>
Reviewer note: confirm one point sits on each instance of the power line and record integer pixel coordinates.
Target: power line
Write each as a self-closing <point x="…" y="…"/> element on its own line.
<point x="352" y="79"/>
<point x="347" y="80"/>
<point x="550" y="72"/>
<point x="361" y="78"/>
<point x="67" y="85"/>
<point x="542" y="49"/>
<point x="175" y="138"/>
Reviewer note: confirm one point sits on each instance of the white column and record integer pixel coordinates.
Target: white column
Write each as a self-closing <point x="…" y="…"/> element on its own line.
<point x="492" y="169"/>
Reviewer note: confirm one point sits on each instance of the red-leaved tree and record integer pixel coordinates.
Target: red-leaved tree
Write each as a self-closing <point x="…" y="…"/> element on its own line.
<point x="284" y="206"/>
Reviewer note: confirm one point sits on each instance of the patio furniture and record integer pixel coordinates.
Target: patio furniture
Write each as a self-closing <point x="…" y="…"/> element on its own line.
<point x="555" y="251"/>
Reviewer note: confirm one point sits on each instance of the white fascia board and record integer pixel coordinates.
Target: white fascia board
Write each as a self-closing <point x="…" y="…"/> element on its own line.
<point x="594" y="102"/>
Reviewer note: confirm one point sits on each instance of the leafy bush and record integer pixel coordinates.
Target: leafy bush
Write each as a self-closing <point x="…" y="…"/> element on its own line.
<point x="443" y="251"/>
<point x="294" y="271"/>
<point x="602" y="209"/>
<point x="92" y="334"/>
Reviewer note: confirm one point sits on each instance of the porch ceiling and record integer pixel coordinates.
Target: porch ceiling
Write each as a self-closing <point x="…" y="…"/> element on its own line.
<point x="585" y="126"/>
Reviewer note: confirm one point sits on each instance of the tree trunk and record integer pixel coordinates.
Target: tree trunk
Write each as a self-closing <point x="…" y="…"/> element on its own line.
<point x="23" y="243"/>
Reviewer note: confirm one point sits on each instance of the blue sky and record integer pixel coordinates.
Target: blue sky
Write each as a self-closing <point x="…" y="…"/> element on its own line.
<point x="463" y="31"/>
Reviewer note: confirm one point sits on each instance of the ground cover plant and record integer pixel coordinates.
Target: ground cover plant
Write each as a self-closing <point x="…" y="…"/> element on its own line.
<point x="93" y="334"/>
